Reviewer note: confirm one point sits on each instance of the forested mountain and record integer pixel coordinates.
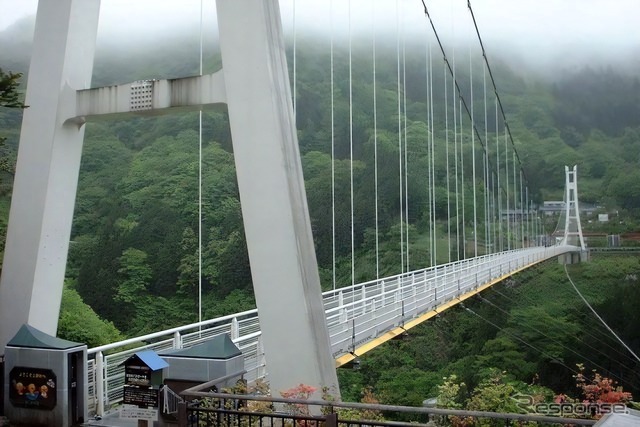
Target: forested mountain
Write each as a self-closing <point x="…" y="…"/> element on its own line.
<point x="509" y="340"/>
<point x="134" y="250"/>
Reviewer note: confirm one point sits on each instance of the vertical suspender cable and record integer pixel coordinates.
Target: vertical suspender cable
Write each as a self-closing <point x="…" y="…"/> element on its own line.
<point x="487" y="191"/>
<point x="434" y="238"/>
<point x="526" y="196"/>
<point x="406" y="158"/>
<point x="476" y="134"/>
<point x="534" y="228"/>
<point x="507" y="172"/>
<point x="462" y="198"/>
<point x="455" y="95"/>
<point x="429" y="151"/>
<point x="515" y="201"/>
<point x="498" y="192"/>
<point x="494" y="225"/>
<point x="522" y="217"/>
<point x="473" y="162"/>
<point x="375" y="138"/>
<point x="353" y="257"/>
<point x="506" y="124"/>
<point x="399" y="136"/>
<point x="333" y="158"/>
<point x="200" y="186"/>
<point x="455" y="155"/>
<point x="446" y="147"/>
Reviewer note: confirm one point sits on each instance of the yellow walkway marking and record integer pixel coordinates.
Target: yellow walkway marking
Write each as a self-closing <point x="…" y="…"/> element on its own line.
<point x="389" y="335"/>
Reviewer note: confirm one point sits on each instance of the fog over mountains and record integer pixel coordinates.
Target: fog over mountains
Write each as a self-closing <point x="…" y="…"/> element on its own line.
<point x="546" y="37"/>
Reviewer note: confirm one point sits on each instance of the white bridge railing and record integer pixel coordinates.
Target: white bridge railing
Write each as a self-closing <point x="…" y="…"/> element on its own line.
<point x="355" y="315"/>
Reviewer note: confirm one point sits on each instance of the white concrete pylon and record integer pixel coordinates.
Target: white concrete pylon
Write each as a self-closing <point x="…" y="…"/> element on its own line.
<point x="47" y="168"/>
<point x="255" y="84"/>
<point x="272" y="195"/>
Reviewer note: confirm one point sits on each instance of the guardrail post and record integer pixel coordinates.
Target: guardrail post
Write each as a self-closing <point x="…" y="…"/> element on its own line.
<point x="343" y="316"/>
<point x="262" y="362"/>
<point x="99" y="383"/>
<point x="177" y="340"/>
<point x="235" y="329"/>
<point x="353" y="335"/>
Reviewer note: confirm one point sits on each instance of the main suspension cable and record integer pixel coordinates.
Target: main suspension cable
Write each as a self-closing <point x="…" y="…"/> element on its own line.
<point x="495" y="89"/>
<point x="452" y="73"/>
<point x="569" y="349"/>
<point x="586" y="331"/>
<point x="598" y="316"/>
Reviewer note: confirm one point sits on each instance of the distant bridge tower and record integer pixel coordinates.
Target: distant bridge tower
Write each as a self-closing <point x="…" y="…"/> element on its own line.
<point x="572" y="227"/>
<point x="254" y="84"/>
<point x="572" y="235"/>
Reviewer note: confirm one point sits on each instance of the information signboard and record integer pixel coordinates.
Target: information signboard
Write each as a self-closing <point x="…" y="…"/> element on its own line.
<point x="142" y="397"/>
<point x="137" y="375"/>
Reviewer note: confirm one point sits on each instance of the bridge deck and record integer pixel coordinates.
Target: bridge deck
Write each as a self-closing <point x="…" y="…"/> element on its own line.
<point x="359" y="317"/>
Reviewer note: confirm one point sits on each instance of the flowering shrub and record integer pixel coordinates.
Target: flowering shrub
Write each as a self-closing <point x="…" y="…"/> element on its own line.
<point x="600" y="389"/>
<point x="300" y="392"/>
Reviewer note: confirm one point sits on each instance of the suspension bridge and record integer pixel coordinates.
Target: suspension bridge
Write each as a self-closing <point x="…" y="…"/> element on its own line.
<point x="324" y="330"/>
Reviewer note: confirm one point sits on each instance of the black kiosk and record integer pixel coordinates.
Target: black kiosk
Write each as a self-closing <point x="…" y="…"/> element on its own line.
<point x="143" y="377"/>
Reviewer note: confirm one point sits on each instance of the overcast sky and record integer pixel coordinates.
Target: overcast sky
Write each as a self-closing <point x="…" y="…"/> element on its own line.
<point x="551" y="27"/>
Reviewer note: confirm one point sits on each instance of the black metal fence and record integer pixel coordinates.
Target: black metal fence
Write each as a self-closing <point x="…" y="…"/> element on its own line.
<point x="227" y="410"/>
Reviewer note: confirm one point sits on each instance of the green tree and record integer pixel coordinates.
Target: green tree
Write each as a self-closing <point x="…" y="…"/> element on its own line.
<point x="625" y="187"/>
<point x="135" y="274"/>
<point x="78" y="322"/>
<point x="9" y="96"/>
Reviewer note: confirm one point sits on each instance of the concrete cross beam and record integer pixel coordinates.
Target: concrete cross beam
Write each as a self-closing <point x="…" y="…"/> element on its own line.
<point x="150" y="97"/>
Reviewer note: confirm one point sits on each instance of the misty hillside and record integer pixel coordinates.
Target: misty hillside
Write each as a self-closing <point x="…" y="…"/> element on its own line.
<point x="136" y="204"/>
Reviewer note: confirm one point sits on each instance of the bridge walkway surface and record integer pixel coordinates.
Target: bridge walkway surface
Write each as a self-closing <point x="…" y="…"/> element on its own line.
<point x="359" y="317"/>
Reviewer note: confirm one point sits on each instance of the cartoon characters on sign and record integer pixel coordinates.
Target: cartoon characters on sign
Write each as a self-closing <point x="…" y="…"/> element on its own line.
<point x="32" y="393"/>
<point x="39" y="391"/>
<point x="19" y="388"/>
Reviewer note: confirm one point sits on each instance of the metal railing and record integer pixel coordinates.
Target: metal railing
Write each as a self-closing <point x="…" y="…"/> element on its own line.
<point x="227" y="410"/>
<point x="355" y="315"/>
